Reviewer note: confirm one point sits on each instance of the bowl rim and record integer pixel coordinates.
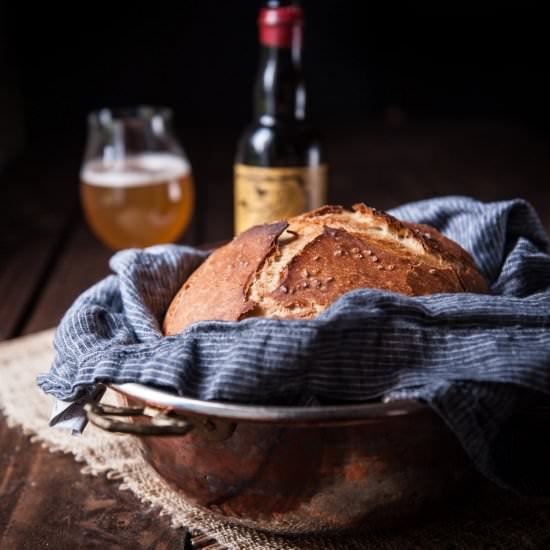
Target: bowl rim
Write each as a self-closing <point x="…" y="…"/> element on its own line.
<point x="267" y="413"/>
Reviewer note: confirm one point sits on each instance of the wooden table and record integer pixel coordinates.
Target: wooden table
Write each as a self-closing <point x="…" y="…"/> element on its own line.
<point x="48" y="256"/>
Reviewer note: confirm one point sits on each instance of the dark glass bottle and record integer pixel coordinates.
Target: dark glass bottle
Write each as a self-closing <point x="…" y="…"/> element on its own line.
<point x="280" y="167"/>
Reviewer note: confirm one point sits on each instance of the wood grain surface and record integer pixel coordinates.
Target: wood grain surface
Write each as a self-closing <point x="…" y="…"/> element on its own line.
<point x="37" y="211"/>
<point x="48" y="256"/>
<point x="47" y="503"/>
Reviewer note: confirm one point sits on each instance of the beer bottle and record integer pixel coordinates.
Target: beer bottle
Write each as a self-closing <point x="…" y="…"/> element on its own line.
<point x="280" y="169"/>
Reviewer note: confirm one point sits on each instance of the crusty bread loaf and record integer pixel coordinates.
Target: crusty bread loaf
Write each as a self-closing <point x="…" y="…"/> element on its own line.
<point x="295" y="269"/>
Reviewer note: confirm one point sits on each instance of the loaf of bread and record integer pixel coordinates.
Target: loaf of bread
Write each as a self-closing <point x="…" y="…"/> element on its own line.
<point x="297" y="268"/>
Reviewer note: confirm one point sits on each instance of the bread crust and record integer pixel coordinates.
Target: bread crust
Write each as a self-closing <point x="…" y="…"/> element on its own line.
<point x="218" y="289"/>
<point x="296" y="269"/>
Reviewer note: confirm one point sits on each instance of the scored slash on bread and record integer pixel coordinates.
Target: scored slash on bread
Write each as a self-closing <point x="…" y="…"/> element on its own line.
<point x="296" y="269"/>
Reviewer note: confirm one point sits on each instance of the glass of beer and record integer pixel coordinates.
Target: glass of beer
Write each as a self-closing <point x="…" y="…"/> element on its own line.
<point x="136" y="184"/>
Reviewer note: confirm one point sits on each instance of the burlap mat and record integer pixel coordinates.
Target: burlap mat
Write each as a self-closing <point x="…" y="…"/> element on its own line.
<point x="492" y="519"/>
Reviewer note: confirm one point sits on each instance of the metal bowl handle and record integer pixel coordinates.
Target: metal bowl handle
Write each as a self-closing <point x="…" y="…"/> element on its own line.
<point x="101" y="415"/>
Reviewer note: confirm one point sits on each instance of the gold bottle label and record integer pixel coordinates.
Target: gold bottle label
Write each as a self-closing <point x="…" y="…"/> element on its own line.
<point x="264" y="195"/>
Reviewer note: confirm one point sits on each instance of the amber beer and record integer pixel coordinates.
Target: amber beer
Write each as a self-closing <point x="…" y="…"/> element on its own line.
<point x="139" y="200"/>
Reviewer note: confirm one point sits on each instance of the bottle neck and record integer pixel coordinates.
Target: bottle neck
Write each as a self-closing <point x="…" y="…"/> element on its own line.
<point x="280" y="91"/>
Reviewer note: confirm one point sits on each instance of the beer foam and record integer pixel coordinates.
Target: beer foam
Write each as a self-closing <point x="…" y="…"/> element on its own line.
<point x="135" y="171"/>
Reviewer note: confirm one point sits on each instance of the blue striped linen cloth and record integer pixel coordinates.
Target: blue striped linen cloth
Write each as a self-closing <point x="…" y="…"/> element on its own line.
<point x="482" y="362"/>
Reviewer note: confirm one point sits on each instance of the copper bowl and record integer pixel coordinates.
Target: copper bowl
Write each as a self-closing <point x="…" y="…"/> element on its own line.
<point x="296" y="469"/>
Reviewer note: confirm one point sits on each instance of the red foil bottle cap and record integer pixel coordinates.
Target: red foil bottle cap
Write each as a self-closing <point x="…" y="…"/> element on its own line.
<point x="281" y="27"/>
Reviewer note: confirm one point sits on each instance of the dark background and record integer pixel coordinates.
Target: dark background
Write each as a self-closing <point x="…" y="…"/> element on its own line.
<point x="413" y="101"/>
<point x="363" y="64"/>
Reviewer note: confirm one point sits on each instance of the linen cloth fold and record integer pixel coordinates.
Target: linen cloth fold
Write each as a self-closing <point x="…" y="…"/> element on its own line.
<point x="482" y="362"/>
